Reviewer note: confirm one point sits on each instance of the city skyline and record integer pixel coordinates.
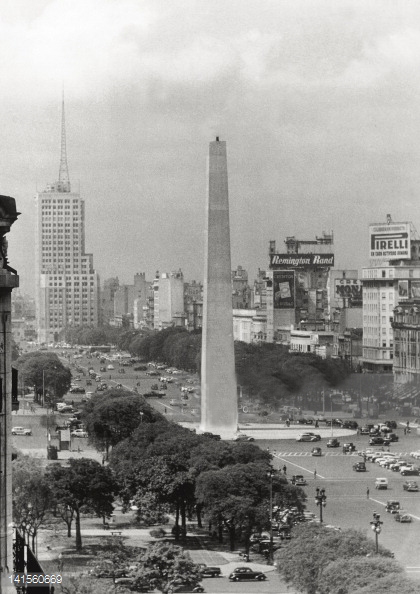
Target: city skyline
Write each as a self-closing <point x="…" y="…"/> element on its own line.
<point x="317" y="103"/>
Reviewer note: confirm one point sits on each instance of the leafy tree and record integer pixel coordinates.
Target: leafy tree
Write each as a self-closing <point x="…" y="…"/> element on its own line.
<point x="85" y="585"/>
<point x="83" y="484"/>
<point x="46" y="372"/>
<point x="347" y="574"/>
<point x="149" y="510"/>
<point x="313" y="547"/>
<point x="113" y="417"/>
<point x="32" y="495"/>
<point x="392" y="583"/>
<point x="237" y="497"/>
<point x="164" y="564"/>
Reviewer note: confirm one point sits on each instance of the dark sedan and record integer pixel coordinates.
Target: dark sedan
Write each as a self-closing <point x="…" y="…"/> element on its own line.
<point x="246" y="573"/>
<point x="376" y="440"/>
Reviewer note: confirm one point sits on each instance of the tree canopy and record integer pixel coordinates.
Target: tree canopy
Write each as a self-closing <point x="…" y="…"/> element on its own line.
<point x="46" y="372"/>
<point x="83" y="483"/>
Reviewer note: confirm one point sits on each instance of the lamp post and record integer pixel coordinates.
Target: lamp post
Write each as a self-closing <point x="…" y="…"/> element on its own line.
<point x="321" y="501"/>
<point x="376" y="527"/>
<point x="141" y="418"/>
<point x="270" y="475"/>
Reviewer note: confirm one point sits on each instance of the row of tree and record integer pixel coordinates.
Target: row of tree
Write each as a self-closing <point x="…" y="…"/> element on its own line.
<point x="320" y="559"/>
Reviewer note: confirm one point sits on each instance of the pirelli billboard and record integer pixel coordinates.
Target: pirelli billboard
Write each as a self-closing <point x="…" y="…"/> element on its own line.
<point x="284" y="261"/>
<point x="391" y="241"/>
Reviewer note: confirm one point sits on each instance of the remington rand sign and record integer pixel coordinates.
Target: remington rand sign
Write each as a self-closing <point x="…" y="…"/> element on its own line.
<point x="301" y="260"/>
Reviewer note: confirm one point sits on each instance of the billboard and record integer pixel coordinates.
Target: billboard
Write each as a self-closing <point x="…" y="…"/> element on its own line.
<point x="350" y="289"/>
<point x="284" y="289"/>
<point x="390" y="241"/>
<point x="300" y="260"/>
<point x="403" y="289"/>
<point x="415" y="289"/>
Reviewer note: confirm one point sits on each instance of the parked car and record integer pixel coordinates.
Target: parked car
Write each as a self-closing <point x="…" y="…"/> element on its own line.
<point x="414" y="471"/>
<point x="246" y="573"/>
<point x="410" y="486"/>
<point x="77" y="390"/>
<point x="21" y="431"/>
<point x="209" y="570"/>
<point x="243" y="437"/>
<point x="79" y="433"/>
<point x="174" y="588"/>
<point x="308" y="437"/>
<point x="66" y="409"/>
<point x="376" y="440"/>
<point x="333" y="443"/>
<point x="365" y="430"/>
<point x="359" y="467"/>
<point x="110" y="367"/>
<point x="304" y="421"/>
<point x="392" y="437"/>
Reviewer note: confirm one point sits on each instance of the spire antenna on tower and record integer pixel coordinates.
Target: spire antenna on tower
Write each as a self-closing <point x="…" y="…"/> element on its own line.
<point x="63" y="175"/>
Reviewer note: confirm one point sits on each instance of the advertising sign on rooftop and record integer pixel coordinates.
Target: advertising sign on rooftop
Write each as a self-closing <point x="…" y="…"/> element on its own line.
<point x="284" y="289"/>
<point x="301" y="260"/>
<point x="390" y="242"/>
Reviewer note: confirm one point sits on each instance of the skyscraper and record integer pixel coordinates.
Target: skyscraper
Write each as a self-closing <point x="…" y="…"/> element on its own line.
<point x="66" y="282"/>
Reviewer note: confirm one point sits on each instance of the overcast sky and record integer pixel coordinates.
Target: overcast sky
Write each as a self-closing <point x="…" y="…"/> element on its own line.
<point x="318" y="101"/>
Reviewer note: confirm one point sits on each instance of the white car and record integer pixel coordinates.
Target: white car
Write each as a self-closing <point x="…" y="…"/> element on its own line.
<point x="110" y="367"/>
<point x="415" y="454"/>
<point x="21" y="431"/>
<point x="79" y="433"/>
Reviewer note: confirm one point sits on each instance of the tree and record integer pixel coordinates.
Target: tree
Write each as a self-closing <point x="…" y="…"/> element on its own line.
<point x="84" y="484"/>
<point x="391" y="584"/>
<point x="237" y="497"/>
<point x="347" y="574"/>
<point x="46" y="372"/>
<point x="149" y="510"/>
<point x="32" y="495"/>
<point x="113" y="417"/>
<point x="313" y="547"/>
<point x="164" y="564"/>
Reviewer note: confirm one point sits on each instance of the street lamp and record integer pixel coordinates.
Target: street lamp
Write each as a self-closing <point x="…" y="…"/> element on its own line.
<point x="270" y="474"/>
<point x="321" y="500"/>
<point x="376" y="527"/>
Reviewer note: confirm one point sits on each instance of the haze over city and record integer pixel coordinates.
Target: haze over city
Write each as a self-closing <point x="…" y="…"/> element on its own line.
<point x="318" y="102"/>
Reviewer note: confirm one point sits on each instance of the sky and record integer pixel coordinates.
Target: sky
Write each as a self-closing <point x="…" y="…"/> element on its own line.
<point x="318" y="101"/>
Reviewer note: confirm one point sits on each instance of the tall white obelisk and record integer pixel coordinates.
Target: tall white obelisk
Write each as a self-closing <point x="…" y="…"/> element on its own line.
<point x="219" y="408"/>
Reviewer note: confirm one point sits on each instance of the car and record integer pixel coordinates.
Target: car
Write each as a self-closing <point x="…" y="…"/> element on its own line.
<point x="209" y="570"/>
<point x="349" y="447"/>
<point x="66" y="409"/>
<point x="376" y="440"/>
<point x="119" y="386"/>
<point x="365" y="430"/>
<point x="392" y="437"/>
<point x="350" y="424"/>
<point x="403" y="518"/>
<point x="304" y="421"/>
<point x="173" y="402"/>
<point x="21" y="431"/>
<point x="316" y="451"/>
<point x="79" y="433"/>
<point x="298" y="480"/>
<point x="411" y="486"/>
<point x="174" y="588"/>
<point x="243" y="437"/>
<point x="308" y="437"/>
<point x="392" y="506"/>
<point x="77" y="390"/>
<point x="110" y="367"/>
<point x="405" y="471"/>
<point x="359" y="467"/>
<point x="333" y="443"/>
<point x="246" y="573"/>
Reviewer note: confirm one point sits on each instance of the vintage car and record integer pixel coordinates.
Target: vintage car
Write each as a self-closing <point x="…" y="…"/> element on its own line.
<point x="359" y="467"/>
<point x="411" y="486"/>
<point x="316" y="451"/>
<point x="246" y="573"/>
<point x="333" y="443"/>
<point x="392" y="506"/>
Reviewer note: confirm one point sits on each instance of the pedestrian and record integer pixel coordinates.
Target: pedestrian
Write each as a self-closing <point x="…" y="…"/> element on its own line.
<point x="367" y="493"/>
<point x="60" y="562"/>
<point x="405" y="430"/>
<point x="165" y="410"/>
<point x="284" y="469"/>
<point x="315" y="474"/>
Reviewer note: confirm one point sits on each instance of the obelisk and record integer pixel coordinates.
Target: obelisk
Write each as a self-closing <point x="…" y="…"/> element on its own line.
<point x="219" y="408"/>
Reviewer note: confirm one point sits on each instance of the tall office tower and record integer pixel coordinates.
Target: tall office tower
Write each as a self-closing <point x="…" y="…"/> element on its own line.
<point x="219" y="405"/>
<point x="66" y="283"/>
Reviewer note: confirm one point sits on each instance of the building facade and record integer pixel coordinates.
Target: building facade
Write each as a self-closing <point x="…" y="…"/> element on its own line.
<point x="392" y="278"/>
<point x="67" y="285"/>
<point x="168" y="299"/>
